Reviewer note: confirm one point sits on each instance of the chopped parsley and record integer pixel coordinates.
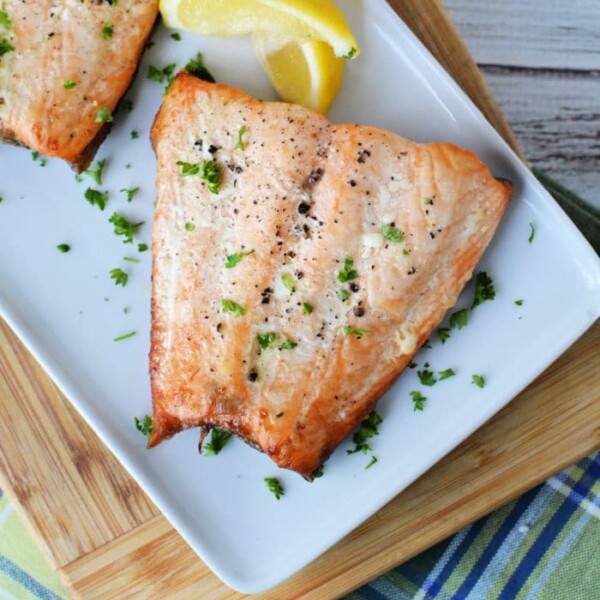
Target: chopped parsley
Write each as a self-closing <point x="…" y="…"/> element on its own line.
<point x="142" y="247"/>
<point x="233" y="307"/>
<point x="319" y="472"/>
<point x="371" y="462"/>
<point x="63" y="248"/>
<point x="343" y="295"/>
<point x="443" y="334"/>
<point x="103" y="114"/>
<point x="158" y="75"/>
<point x="241" y="145"/>
<point x="35" y="156"/>
<point x="288" y="282"/>
<point x="235" y="258"/>
<point x="190" y="227"/>
<point x="519" y="302"/>
<point x="5" y="47"/>
<point x="392" y="234"/>
<point x="124" y="227"/>
<point x="428" y="201"/>
<point x="207" y="171"/>
<point x="107" y="31"/>
<point x="426" y="377"/>
<point x="119" y="276"/>
<point x="96" y="198"/>
<point x="135" y="135"/>
<point x="359" y="333"/>
<point x="368" y="429"/>
<point x="5" y="21"/>
<point x="130" y="259"/>
<point x="307" y="308"/>
<point x="418" y="400"/>
<point x="446" y="374"/>
<point x="459" y="319"/>
<point x="348" y="273"/>
<point x="128" y="105"/>
<point x="196" y="67"/>
<point x="176" y="36"/>
<point x="264" y="341"/>
<point x="274" y="487"/>
<point x="144" y="426"/>
<point x="484" y="289"/>
<point x="478" y="380"/>
<point x="131" y="192"/>
<point x="352" y="53"/>
<point x="531" y="225"/>
<point x="125" y="336"/>
<point x="68" y="84"/>
<point x="288" y="345"/>
<point x="218" y="441"/>
<point x="96" y="174"/>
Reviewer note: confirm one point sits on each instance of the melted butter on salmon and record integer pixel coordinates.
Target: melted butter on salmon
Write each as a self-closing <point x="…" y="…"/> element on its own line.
<point x="58" y="41"/>
<point x="361" y="240"/>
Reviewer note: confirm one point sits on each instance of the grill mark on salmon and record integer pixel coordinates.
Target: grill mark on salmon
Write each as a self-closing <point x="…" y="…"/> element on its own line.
<point x="304" y="195"/>
<point x="55" y="41"/>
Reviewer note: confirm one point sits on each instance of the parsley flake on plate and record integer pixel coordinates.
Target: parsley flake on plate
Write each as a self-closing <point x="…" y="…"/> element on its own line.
<point x="144" y="426"/>
<point x="446" y="374"/>
<point x="426" y="377"/>
<point x="218" y="440"/>
<point x="131" y="260"/>
<point x="519" y="302"/>
<point x="131" y="192"/>
<point x="443" y="334"/>
<point x="124" y="227"/>
<point x="478" y="380"/>
<point x="418" y="400"/>
<point x="96" y="198"/>
<point x="96" y="174"/>
<point x="142" y="247"/>
<point x="125" y="336"/>
<point x="532" y="233"/>
<point x="196" y="67"/>
<point x="274" y="487"/>
<point x="63" y="248"/>
<point x="176" y="36"/>
<point x="368" y="429"/>
<point x="459" y="319"/>
<point x="371" y="462"/>
<point x="484" y="289"/>
<point x="68" y="84"/>
<point x="119" y="276"/>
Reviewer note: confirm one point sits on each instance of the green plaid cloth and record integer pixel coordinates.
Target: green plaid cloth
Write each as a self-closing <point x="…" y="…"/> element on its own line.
<point x="543" y="546"/>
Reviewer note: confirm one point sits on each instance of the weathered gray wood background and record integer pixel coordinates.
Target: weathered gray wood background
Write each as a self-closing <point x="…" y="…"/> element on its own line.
<point x="542" y="60"/>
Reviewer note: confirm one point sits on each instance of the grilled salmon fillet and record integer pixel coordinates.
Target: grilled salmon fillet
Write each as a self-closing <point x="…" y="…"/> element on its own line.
<point x="288" y="296"/>
<point x="63" y="61"/>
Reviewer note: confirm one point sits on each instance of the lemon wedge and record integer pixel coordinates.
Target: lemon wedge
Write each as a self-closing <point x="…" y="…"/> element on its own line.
<point x="282" y="21"/>
<point x="308" y="74"/>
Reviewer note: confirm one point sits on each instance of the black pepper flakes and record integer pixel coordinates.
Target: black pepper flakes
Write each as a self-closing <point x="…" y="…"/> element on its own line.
<point x="252" y="376"/>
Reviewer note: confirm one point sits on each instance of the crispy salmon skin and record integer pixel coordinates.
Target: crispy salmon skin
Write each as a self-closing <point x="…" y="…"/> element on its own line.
<point x="289" y="297"/>
<point x="64" y="66"/>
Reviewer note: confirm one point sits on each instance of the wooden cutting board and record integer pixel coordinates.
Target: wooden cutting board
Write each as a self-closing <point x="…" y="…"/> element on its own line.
<point x="107" y="540"/>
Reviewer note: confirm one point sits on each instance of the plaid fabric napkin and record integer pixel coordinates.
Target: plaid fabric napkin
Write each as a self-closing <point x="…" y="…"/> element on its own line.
<point x="543" y="546"/>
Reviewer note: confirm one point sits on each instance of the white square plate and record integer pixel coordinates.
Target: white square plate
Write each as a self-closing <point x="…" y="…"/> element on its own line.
<point x="67" y="309"/>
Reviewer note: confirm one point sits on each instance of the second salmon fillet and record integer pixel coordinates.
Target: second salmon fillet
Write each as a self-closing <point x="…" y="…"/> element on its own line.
<point x="298" y="266"/>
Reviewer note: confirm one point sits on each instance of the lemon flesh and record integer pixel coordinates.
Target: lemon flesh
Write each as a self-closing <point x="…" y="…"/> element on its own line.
<point x="308" y="74"/>
<point x="283" y="21"/>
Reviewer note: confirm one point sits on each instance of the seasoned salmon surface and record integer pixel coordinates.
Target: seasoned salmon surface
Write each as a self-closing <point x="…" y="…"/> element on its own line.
<point x="288" y="296"/>
<point x="64" y="66"/>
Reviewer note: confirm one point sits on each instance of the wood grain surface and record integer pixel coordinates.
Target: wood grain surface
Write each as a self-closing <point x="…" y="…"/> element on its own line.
<point x="542" y="62"/>
<point x="108" y="541"/>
